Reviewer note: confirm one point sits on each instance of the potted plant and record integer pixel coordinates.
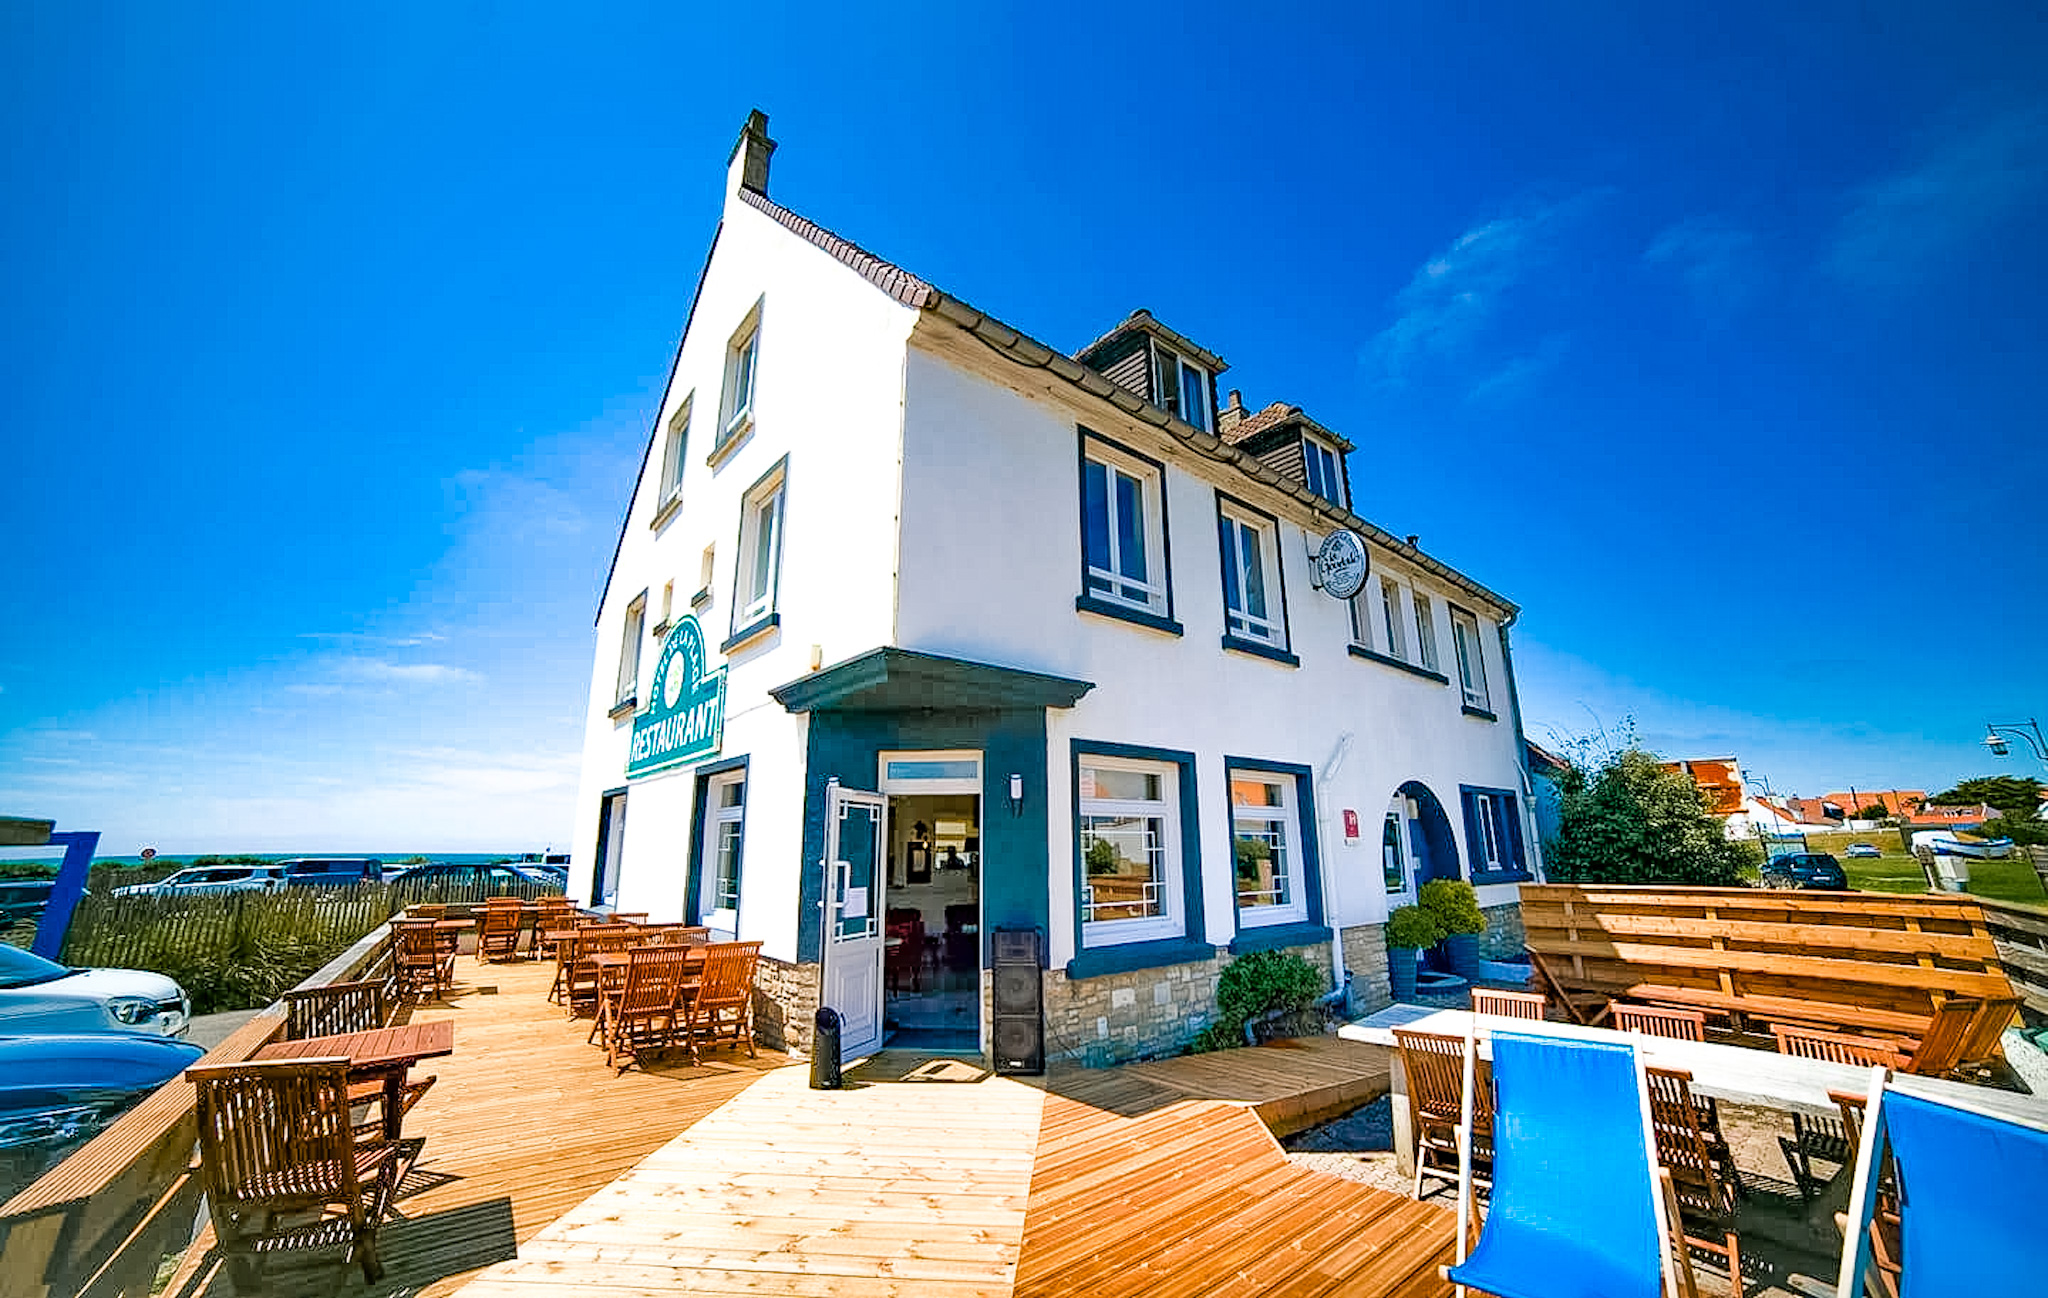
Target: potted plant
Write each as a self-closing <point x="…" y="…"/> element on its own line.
<point x="1409" y="929"/>
<point x="1455" y="907"/>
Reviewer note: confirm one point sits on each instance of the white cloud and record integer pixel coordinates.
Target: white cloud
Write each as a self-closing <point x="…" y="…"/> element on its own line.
<point x="1970" y="174"/>
<point x="1714" y="256"/>
<point x="382" y="669"/>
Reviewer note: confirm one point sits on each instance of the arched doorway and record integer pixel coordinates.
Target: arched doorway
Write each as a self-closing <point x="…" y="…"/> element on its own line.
<point x="1432" y="851"/>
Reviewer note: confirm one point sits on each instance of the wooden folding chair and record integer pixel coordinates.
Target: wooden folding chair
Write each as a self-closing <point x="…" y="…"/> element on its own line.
<point x="585" y="980"/>
<point x="1984" y="1045"/>
<point x="674" y="935"/>
<point x="420" y="959"/>
<point x="282" y="1168"/>
<point x="1513" y="1005"/>
<point x="1655" y="1021"/>
<point x="1703" y="1179"/>
<point x="334" y="1009"/>
<point x="1435" y="1067"/>
<point x="1825" y="1138"/>
<point x="1940" y="1051"/>
<point x="721" y="1007"/>
<point x="498" y="939"/>
<point x="1583" y="1008"/>
<point x="1886" y="1234"/>
<point x="640" y="1013"/>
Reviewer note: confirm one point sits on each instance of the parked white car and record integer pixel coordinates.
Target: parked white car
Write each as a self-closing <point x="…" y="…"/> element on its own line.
<point x="211" y="878"/>
<point x="39" y="996"/>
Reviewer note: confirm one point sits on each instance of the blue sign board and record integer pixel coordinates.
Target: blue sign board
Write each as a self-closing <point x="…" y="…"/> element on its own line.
<point x="685" y="720"/>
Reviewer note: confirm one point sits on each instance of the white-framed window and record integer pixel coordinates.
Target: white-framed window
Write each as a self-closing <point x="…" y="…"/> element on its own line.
<point x="1390" y="610"/>
<point x="1425" y="629"/>
<point x="742" y="355"/>
<point x="1471" y="661"/>
<point x="1183" y="387"/>
<point x="674" y="447"/>
<point x="630" y="637"/>
<point x="1268" y="867"/>
<point x="1129" y="831"/>
<point x="718" y="884"/>
<point x="1123" y="529"/>
<point x="1324" y="471"/>
<point x="1361" y="616"/>
<point x="1489" y="852"/>
<point x="1251" y="577"/>
<point x="761" y="515"/>
<point x="949" y="770"/>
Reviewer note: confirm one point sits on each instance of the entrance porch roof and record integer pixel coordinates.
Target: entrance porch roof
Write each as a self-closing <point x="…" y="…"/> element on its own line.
<point x="889" y="679"/>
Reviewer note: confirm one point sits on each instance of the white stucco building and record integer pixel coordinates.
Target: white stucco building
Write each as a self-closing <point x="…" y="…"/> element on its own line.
<point x="1016" y="640"/>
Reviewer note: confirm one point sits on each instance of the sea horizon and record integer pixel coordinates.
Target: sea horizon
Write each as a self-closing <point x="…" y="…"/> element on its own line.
<point x="164" y="856"/>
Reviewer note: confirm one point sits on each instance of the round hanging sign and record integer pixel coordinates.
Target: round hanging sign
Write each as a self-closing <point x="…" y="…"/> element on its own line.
<point x="1342" y="563"/>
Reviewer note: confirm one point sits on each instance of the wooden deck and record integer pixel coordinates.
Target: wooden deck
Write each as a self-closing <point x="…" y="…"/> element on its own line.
<point x="524" y="1124"/>
<point x="1290" y="1084"/>
<point x="1132" y="1196"/>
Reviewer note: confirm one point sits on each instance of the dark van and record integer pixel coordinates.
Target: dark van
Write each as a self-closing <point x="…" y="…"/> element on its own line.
<point x="22" y="900"/>
<point x="331" y="871"/>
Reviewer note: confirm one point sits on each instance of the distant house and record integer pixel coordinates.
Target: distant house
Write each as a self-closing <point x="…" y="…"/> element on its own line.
<point x="1819" y="811"/>
<point x="1896" y="802"/>
<point x="1720" y="778"/>
<point x="1937" y="817"/>
<point x="1546" y="776"/>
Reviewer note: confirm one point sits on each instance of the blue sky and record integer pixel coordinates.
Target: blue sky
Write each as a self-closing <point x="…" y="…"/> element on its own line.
<point x="1715" y="339"/>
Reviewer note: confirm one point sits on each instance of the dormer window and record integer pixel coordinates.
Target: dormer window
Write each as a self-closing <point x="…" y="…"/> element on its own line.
<point x="1325" y="473"/>
<point x="1181" y="388"/>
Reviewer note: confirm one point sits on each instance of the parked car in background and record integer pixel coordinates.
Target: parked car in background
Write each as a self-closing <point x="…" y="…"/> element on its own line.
<point x="210" y="878"/>
<point x="331" y="871"/>
<point x="39" y="996"/>
<point x="1862" y="852"/>
<point x="58" y="1091"/>
<point x="22" y="900"/>
<point x="434" y="876"/>
<point x="1805" y="870"/>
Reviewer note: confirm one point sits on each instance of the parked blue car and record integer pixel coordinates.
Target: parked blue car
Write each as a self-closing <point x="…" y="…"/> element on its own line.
<point x="1805" y="870"/>
<point x="58" y="1091"/>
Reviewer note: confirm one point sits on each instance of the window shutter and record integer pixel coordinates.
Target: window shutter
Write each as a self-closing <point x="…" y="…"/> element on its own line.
<point x="1510" y="812"/>
<point x="1475" y="845"/>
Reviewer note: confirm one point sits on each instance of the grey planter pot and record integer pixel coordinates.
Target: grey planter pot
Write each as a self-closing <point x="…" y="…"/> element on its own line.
<point x="1401" y="972"/>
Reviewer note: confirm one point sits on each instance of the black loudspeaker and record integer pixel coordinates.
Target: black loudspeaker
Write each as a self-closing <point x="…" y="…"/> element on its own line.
<point x="1019" y="1035"/>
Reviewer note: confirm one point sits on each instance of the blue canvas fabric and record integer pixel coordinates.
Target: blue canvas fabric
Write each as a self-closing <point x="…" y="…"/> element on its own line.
<point x="1572" y="1213"/>
<point x="1972" y="1218"/>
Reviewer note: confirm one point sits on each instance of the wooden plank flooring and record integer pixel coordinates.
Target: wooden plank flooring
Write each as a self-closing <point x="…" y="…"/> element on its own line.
<point x="880" y="1189"/>
<point x="525" y="1123"/>
<point x="1291" y="1084"/>
<point x="1195" y="1197"/>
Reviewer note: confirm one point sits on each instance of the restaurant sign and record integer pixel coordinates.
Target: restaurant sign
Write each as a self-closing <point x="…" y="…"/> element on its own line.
<point x="1342" y="563"/>
<point x="685" y="722"/>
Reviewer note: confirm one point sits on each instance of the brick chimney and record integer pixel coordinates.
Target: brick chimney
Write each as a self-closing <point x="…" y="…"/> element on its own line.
<point x="747" y="168"/>
<point x="1232" y="414"/>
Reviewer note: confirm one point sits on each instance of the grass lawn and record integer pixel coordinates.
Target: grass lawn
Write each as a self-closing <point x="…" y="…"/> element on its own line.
<point x="2012" y="879"/>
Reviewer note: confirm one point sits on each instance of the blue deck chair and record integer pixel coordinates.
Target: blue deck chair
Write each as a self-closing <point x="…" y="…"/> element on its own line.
<point x="1575" y="1211"/>
<point x="1970" y="1184"/>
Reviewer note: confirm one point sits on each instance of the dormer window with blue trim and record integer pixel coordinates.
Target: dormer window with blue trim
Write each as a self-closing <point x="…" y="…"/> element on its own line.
<point x="1323" y="469"/>
<point x="1181" y="388"/>
<point x="1123" y="542"/>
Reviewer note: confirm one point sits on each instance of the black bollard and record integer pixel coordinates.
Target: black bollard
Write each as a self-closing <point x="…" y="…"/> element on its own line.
<point x="825" y="1052"/>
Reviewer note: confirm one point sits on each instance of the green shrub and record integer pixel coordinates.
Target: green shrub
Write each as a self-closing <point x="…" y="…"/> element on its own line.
<point x="1412" y="928"/>
<point x="1256" y="985"/>
<point x="1454" y="905"/>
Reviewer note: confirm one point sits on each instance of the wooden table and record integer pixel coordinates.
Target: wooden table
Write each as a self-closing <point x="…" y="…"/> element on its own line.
<point x="383" y="1054"/>
<point x="1733" y="1073"/>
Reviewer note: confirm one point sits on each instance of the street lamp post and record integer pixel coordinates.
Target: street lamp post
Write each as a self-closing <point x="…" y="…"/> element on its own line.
<point x="2028" y="732"/>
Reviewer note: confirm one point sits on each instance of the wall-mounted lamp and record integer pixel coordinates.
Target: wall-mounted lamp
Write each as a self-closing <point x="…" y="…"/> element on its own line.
<point x="1016" y="795"/>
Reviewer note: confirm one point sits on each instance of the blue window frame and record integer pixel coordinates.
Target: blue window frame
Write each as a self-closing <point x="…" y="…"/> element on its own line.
<point x="1276" y="864"/>
<point x="1125" y="827"/>
<point x="1494" y="852"/>
<point x="1325" y="475"/>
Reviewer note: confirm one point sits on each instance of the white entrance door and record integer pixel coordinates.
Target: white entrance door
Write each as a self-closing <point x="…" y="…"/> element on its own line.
<point x="855" y="873"/>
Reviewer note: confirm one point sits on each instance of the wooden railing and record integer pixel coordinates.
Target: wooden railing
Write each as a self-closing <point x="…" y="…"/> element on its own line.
<point x="1873" y="960"/>
<point x="2021" y="934"/>
<point x="100" y="1223"/>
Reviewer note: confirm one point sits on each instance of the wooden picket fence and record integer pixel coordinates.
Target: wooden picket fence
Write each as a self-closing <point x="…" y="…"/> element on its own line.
<point x="2021" y="933"/>
<point x="1880" y="962"/>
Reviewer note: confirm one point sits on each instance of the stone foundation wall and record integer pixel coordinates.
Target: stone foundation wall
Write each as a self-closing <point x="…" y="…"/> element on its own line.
<point x="1505" y="938"/>
<point x="1144" y="1014"/>
<point x="785" y="1005"/>
<point x="1365" y="955"/>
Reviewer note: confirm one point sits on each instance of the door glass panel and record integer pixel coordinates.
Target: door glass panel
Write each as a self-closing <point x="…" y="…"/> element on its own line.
<point x="859" y="825"/>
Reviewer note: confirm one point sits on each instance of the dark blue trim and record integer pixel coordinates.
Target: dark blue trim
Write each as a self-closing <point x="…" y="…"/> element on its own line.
<point x="1510" y="830"/>
<point x="1471" y="711"/>
<point x="1373" y="655"/>
<point x="1129" y="957"/>
<point x="1124" y="956"/>
<point x="1311" y="848"/>
<point x="695" y="870"/>
<point x="624" y="708"/>
<point x="1082" y="438"/>
<point x="1125" y="613"/>
<point x="1502" y="876"/>
<point x="751" y="631"/>
<point x="701" y="598"/>
<point x="1257" y="649"/>
<point x="55" y="923"/>
<point x="1273" y="937"/>
<point x="1279" y="566"/>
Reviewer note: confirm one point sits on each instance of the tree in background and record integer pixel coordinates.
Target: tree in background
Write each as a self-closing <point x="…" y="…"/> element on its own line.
<point x="2016" y="799"/>
<point x="1625" y="818"/>
<point x="1874" y="811"/>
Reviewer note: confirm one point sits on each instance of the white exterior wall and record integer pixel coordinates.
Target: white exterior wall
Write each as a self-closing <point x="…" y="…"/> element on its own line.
<point x="990" y="570"/>
<point x="827" y="393"/>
